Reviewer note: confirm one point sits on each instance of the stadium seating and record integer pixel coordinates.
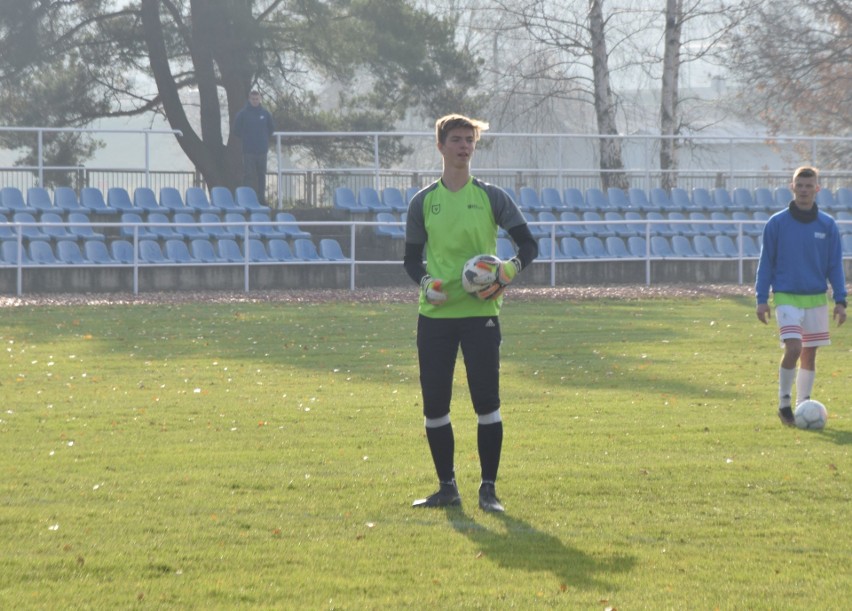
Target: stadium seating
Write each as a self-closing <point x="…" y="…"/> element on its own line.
<point x="246" y="199"/>
<point x="369" y="198"/>
<point x="330" y="249"/>
<point x="764" y="200"/>
<point x="529" y="200"/>
<point x="749" y="247"/>
<point x="117" y="199"/>
<point x="505" y="249"/>
<point x="197" y="199"/>
<point x="30" y="227"/>
<point x="162" y="227"/>
<point x="213" y="226"/>
<point x="229" y="250"/>
<point x="6" y="232"/>
<point x="291" y="229"/>
<point x="150" y="252"/>
<point x="133" y="225"/>
<point x="257" y="252"/>
<point x="617" y="199"/>
<point x="65" y="198"/>
<point x="280" y="250"/>
<point x="721" y="200"/>
<point x="637" y="246"/>
<point x="597" y="201"/>
<point x="202" y="250"/>
<point x="177" y="252"/>
<point x="594" y="247"/>
<point x="93" y="200"/>
<point x="704" y="247"/>
<point x="306" y="250"/>
<point x="616" y="248"/>
<point x="185" y="225"/>
<point x="572" y="248"/>
<point x="661" y="202"/>
<point x="574" y="200"/>
<point x="549" y="217"/>
<point x="41" y="252"/>
<point x="10" y="253"/>
<point x="393" y="198"/>
<point x="53" y="226"/>
<point x="725" y="246"/>
<point x="223" y="199"/>
<point x="122" y="251"/>
<point x="638" y="200"/>
<point x="577" y="228"/>
<point x="551" y="199"/>
<point x="344" y="198"/>
<point x="783" y="196"/>
<point x="171" y="200"/>
<point x="12" y="202"/>
<point x="661" y="248"/>
<point x="38" y="199"/>
<point x="547" y="250"/>
<point x="145" y="200"/>
<point x="391" y="231"/>
<point x="843" y="196"/>
<point x="96" y="252"/>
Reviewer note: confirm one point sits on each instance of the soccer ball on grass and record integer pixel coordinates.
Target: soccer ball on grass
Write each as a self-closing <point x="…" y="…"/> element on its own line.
<point x="479" y="275"/>
<point x="811" y="414"/>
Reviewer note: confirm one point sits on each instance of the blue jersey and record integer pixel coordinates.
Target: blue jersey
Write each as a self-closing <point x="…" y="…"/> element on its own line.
<point x="800" y="258"/>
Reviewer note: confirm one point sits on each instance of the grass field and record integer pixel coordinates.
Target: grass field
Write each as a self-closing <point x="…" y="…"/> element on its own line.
<point x="265" y="455"/>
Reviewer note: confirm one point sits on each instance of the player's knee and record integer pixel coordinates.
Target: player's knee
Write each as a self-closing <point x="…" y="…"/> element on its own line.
<point x="492" y="417"/>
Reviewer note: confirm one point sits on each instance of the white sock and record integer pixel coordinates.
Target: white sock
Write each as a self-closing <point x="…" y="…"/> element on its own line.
<point x="804" y="384"/>
<point x="786" y="377"/>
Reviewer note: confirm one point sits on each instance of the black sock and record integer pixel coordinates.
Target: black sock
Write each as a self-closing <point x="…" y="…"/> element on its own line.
<point x="442" y="444"/>
<point x="490" y="442"/>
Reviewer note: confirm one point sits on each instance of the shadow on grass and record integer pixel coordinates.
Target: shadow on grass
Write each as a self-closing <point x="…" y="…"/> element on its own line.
<point x="843" y="438"/>
<point x="518" y="545"/>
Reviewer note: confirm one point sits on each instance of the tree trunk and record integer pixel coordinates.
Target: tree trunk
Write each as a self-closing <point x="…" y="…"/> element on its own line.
<point x="669" y="94"/>
<point x="206" y="152"/>
<point x="612" y="166"/>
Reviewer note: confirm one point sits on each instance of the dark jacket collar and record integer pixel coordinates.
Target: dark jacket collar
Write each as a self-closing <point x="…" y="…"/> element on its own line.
<point x="804" y="216"/>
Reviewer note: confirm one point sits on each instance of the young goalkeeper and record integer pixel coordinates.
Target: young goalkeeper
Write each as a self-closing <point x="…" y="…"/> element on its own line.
<point x="454" y="219"/>
<point x="801" y="255"/>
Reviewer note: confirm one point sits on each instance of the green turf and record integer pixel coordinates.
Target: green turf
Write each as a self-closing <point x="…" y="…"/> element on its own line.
<point x="265" y="455"/>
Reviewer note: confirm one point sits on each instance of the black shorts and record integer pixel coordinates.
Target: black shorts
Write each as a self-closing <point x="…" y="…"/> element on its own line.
<point x="438" y="341"/>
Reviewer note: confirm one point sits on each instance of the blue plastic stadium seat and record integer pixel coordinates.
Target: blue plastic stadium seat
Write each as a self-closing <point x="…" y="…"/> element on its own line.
<point x="150" y="252"/>
<point x="594" y="247"/>
<point x="537" y="231"/>
<point x="618" y="199"/>
<point x="551" y="199"/>
<point x="660" y="247"/>
<point x="196" y="199"/>
<point x="825" y="200"/>
<point x="7" y="232"/>
<point x="576" y="229"/>
<point x="41" y="252"/>
<point x="29" y="228"/>
<point x="505" y="248"/>
<point x="700" y="228"/>
<point x="93" y="200"/>
<point x="548" y="249"/>
<point x="783" y="197"/>
<point x="54" y="226"/>
<point x="393" y="198"/>
<point x="122" y="251"/>
<point x="725" y="246"/>
<point x="843" y="197"/>
<point x="704" y="247"/>
<point x="741" y="199"/>
<point x="593" y="227"/>
<point x="202" y="250"/>
<point x="185" y="225"/>
<point x="330" y="249"/>
<point x="177" y="252"/>
<point x="344" y="199"/>
<point x="764" y="200"/>
<point x="235" y="225"/>
<point x="306" y="250"/>
<point x="391" y="231"/>
<point x="291" y="229"/>
<point x="81" y="227"/>
<point x="721" y="199"/>
<point x="68" y="252"/>
<point x="263" y="227"/>
<point x="223" y="199"/>
<point x="171" y="199"/>
<point x="66" y="200"/>
<point x="119" y="199"/>
<point x="12" y="201"/>
<point x="572" y="248"/>
<point x="212" y="226"/>
<point x="549" y="217"/>
<point x="702" y="199"/>
<point x="161" y="226"/>
<point x="615" y="248"/>
<point x="96" y="252"/>
<point x="661" y="202"/>
<point x="369" y="198"/>
<point x="38" y="199"/>
<point x="638" y="199"/>
<point x="573" y="200"/>
<point x="257" y="252"/>
<point x="132" y="224"/>
<point x="409" y="193"/>
<point x="9" y="253"/>
<point x="722" y="225"/>
<point x="530" y="201"/>
<point x="279" y="250"/>
<point x="246" y="198"/>
<point x="750" y="248"/>
<point x="229" y="250"/>
<point x="145" y="200"/>
<point x="597" y="201"/>
<point x="617" y="227"/>
<point x="637" y="246"/>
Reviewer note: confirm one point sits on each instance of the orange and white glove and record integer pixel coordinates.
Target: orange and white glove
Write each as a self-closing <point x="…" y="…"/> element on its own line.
<point x="506" y="272"/>
<point x="431" y="288"/>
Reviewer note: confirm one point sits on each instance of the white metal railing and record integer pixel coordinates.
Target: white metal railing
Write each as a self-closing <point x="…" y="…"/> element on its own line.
<point x="244" y="231"/>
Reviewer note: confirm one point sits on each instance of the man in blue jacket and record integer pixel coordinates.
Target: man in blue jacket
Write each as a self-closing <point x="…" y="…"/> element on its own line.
<point x="801" y="255"/>
<point x="253" y="125"/>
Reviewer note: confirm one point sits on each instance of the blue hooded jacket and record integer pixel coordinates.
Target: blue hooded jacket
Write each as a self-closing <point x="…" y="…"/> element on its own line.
<point x="253" y="125"/>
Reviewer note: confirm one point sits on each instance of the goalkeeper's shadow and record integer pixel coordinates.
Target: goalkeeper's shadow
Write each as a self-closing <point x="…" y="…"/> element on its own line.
<point x="516" y="544"/>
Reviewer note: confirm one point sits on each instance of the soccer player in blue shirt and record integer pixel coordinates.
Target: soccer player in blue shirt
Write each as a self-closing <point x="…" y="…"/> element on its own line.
<point x="454" y="219"/>
<point x="801" y="255"/>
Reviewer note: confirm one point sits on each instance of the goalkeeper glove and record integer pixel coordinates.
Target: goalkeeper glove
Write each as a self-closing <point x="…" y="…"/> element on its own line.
<point x="506" y="272"/>
<point x="431" y="288"/>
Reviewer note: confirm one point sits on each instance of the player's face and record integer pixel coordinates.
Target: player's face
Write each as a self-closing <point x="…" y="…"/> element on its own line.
<point x="458" y="148"/>
<point x="254" y="99"/>
<point x="804" y="191"/>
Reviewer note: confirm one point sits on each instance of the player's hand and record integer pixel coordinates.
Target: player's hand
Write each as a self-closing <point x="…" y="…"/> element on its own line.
<point x="763" y="312"/>
<point x="839" y="313"/>
<point x="431" y="288"/>
<point x="506" y="272"/>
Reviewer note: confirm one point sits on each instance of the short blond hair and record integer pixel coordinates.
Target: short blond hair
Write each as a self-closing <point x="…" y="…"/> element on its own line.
<point x="806" y="171"/>
<point x="447" y="123"/>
